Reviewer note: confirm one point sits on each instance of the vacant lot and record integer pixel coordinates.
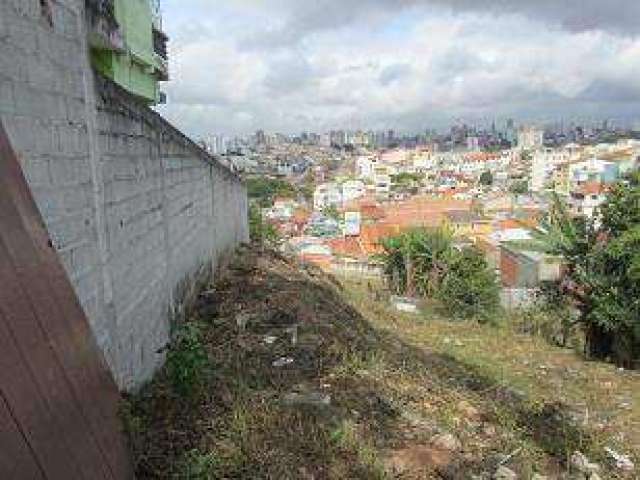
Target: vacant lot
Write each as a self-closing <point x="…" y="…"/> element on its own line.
<point x="288" y="373"/>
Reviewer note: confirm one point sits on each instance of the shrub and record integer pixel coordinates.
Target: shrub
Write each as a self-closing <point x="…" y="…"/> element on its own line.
<point x="427" y="262"/>
<point x="469" y="288"/>
<point x="187" y="360"/>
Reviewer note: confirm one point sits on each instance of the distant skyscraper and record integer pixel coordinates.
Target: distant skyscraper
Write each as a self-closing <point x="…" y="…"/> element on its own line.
<point x="217" y="144"/>
<point x="530" y="138"/>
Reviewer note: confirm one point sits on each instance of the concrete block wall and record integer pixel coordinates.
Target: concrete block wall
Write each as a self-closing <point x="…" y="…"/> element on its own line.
<point x="136" y="210"/>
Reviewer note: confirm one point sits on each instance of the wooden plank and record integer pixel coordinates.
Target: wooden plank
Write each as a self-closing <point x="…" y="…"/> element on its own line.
<point x="16" y="458"/>
<point x="68" y="329"/>
<point x="25" y="301"/>
<point x="29" y="408"/>
<point x="89" y="391"/>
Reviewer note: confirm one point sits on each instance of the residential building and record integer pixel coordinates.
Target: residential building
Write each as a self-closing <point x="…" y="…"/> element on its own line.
<point x="352" y="189"/>
<point x="128" y="45"/>
<point x="327" y="195"/>
<point x="544" y="162"/>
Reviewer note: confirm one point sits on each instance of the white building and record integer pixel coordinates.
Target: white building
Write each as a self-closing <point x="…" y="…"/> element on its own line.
<point x="544" y="162"/>
<point x="352" y="189"/>
<point x="530" y="138"/>
<point x="327" y="194"/>
<point x="365" y="166"/>
<point x="218" y="144"/>
<point x="423" y="162"/>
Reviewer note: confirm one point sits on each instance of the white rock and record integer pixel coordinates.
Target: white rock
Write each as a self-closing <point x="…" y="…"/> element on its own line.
<point x="446" y="441"/>
<point x="282" y="361"/>
<point x="504" y="473"/>
<point x="315" y="399"/>
<point x="582" y="464"/>
<point x="622" y="462"/>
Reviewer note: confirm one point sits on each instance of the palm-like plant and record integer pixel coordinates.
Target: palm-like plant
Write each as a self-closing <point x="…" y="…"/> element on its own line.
<point x="413" y="261"/>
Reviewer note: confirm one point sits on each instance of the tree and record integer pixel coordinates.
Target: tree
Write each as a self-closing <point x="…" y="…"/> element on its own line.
<point x="260" y="231"/>
<point x="603" y="275"/>
<point x="425" y="261"/>
<point x="332" y="212"/>
<point x="264" y="190"/>
<point x="469" y="289"/>
<point x="519" y="187"/>
<point x="413" y="260"/>
<point x="486" y="178"/>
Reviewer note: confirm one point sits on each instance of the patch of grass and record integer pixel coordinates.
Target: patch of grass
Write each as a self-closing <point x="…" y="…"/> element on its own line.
<point x="187" y="360"/>
<point x="197" y="465"/>
<point x="394" y="380"/>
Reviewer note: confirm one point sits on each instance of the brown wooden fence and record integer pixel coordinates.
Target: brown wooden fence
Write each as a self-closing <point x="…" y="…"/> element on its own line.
<point x="58" y="401"/>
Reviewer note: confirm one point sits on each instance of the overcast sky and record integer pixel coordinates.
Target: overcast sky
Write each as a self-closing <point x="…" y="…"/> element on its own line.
<point x="295" y="65"/>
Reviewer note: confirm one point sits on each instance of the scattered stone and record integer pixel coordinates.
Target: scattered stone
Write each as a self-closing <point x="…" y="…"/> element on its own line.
<point x="489" y="430"/>
<point x="468" y="410"/>
<point x="241" y="320"/>
<point x="313" y="399"/>
<point x="447" y="441"/>
<point x="404" y="304"/>
<point x="582" y="464"/>
<point x="621" y="462"/>
<point x="504" y="473"/>
<point x="269" y="339"/>
<point x="293" y="331"/>
<point x="282" y="361"/>
<point x="417" y="458"/>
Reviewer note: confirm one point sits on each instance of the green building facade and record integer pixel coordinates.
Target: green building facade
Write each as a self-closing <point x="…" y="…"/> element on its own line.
<point x="128" y="45"/>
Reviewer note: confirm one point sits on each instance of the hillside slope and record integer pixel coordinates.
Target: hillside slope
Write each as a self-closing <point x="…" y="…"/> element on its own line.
<point x="304" y="377"/>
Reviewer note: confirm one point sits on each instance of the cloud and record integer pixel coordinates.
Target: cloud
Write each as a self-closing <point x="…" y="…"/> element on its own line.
<point x="303" y="19"/>
<point x="394" y="73"/>
<point x="290" y="66"/>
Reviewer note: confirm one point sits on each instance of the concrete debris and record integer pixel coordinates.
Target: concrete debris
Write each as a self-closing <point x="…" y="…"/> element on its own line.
<point x="504" y="473"/>
<point x="621" y="462"/>
<point x="293" y="331"/>
<point x="581" y="463"/>
<point x="282" y="361"/>
<point x="404" y="304"/>
<point x="468" y="410"/>
<point x="269" y="339"/>
<point x="314" y="399"/>
<point x="446" y="441"/>
<point x="242" y="319"/>
<point x="452" y="341"/>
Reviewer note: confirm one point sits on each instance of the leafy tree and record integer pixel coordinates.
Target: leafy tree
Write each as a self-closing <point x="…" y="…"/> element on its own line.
<point x="426" y="262"/>
<point x="413" y="260"/>
<point x="486" y="178"/>
<point x="519" y="188"/>
<point x="332" y="212"/>
<point x="526" y="155"/>
<point x="603" y="276"/>
<point x="406" y="182"/>
<point x="260" y="231"/>
<point x="469" y="289"/>
<point x="264" y="190"/>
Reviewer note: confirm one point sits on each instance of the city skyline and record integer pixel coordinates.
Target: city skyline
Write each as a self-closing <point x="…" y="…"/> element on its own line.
<point x="290" y="67"/>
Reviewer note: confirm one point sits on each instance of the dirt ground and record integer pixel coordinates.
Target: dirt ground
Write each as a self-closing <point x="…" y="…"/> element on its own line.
<point x="308" y="377"/>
